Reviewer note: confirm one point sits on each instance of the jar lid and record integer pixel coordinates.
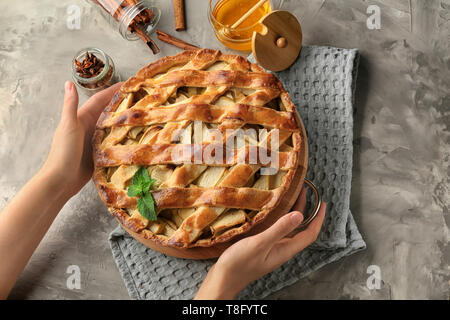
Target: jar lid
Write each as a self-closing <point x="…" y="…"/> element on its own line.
<point x="280" y="42"/>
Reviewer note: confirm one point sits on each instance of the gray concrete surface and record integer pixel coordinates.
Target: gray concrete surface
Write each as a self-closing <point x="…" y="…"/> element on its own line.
<point x="400" y="191"/>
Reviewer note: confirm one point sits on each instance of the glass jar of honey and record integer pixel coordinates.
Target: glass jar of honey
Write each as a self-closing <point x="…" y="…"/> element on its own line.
<point x="225" y="14"/>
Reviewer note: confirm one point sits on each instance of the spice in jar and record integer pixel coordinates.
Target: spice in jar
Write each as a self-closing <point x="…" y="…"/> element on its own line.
<point x="93" y="70"/>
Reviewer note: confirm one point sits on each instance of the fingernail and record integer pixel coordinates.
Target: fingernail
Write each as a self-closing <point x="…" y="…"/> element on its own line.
<point x="296" y="218"/>
<point x="68" y="86"/>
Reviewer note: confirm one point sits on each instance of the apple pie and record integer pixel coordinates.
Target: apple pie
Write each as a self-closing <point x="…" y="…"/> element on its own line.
<point x="176" y="119"/>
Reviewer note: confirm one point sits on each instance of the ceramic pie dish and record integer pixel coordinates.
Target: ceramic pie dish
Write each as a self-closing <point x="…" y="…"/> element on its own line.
<point x="190" y="120"/>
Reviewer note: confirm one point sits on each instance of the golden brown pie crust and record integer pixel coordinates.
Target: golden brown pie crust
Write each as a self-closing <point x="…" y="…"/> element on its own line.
<point x="143" y="100"/>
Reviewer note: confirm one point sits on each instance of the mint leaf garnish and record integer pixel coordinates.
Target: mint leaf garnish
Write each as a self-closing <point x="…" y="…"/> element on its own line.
<point x="134" y="190"/>
<point x="146" y="207"/>
<point x="140" y="187"/>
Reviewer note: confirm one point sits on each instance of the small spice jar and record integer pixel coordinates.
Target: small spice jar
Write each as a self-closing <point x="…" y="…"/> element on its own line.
<point x="127" y="16"/>
<point x="93" y="70"/>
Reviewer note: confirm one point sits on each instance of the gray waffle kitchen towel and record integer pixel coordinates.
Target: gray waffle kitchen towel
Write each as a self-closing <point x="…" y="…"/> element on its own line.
<point x="321" y="84"/>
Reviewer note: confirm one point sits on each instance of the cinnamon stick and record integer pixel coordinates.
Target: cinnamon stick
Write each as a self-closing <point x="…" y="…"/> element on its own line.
<point x="178" y="10"/>
<point x="144" y="36"/>
<point x="175" y="41"/>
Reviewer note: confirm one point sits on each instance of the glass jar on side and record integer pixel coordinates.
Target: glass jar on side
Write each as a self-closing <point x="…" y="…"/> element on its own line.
<point x="93" y="70"/>
<point x="126" y="16"/>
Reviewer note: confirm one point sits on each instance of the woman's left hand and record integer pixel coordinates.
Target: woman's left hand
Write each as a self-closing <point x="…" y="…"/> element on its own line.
<point x="253" y="257"/>
<point x="69" y="162"/>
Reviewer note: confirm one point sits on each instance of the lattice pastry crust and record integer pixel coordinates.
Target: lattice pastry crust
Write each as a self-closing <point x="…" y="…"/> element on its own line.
<point x="198" y="204"/>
